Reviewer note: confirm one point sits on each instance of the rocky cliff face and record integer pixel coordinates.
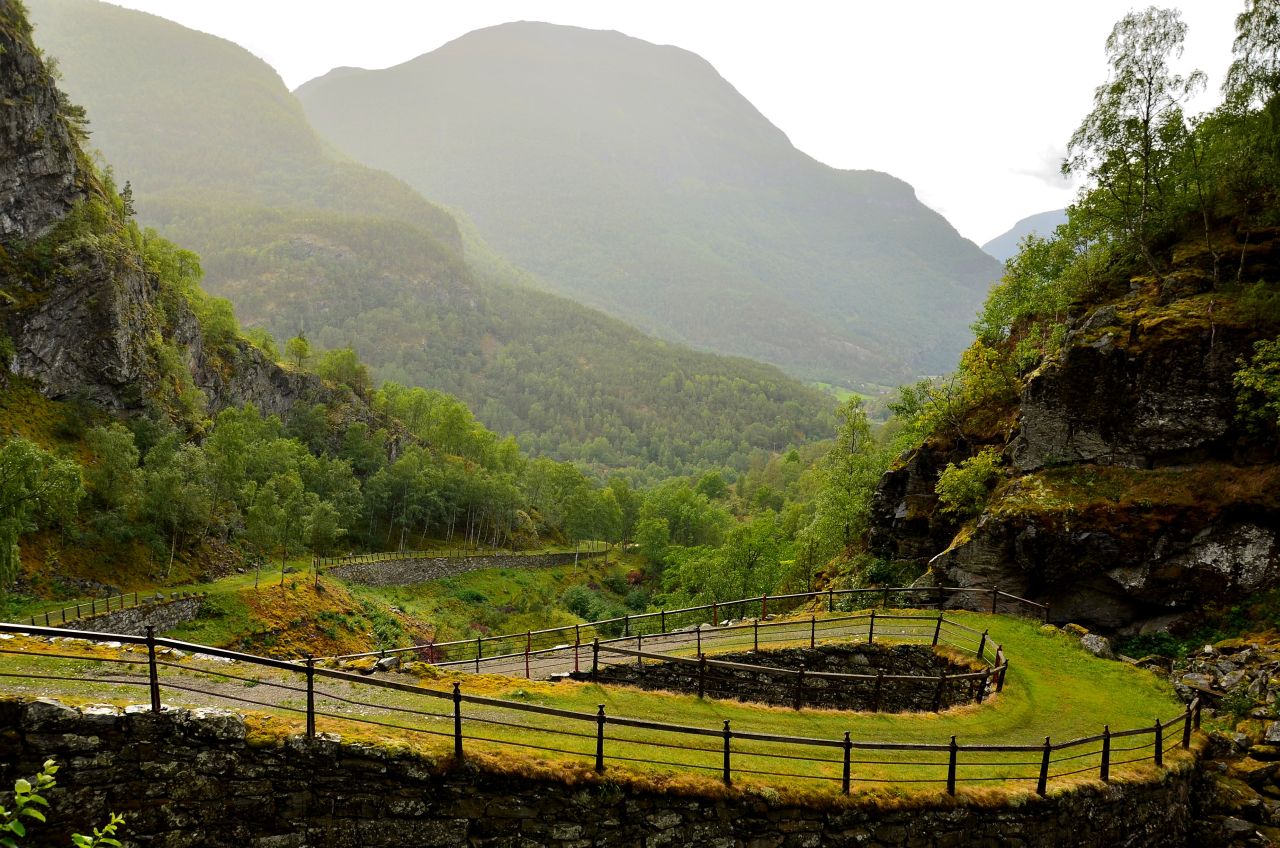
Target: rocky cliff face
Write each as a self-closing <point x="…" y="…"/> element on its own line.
<point x="39" y="176"/>
<point x="77" y="302"/>
<point x="1133" y="494"/>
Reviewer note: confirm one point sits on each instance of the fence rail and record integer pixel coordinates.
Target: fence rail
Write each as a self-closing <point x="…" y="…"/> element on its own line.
<point x="93" y="607"/>
<point x="318" y="563"/>
<point x="716" y="614"/>
<point x="603" y="739"/>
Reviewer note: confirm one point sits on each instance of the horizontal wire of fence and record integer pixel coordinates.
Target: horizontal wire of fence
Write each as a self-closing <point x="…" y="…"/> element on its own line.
<point x="478" y="723"/>
<point x="715" y="614"/>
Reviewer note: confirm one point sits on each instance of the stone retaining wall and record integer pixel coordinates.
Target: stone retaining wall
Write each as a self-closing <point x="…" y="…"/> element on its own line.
<point x="163" y="616"/>
<point x="192" y="778"/>
<point x="917" y="695"/>
<point x="406" y="572"/>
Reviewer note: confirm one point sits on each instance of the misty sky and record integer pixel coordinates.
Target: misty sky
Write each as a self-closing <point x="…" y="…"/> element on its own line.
<point x="970" y="102"/>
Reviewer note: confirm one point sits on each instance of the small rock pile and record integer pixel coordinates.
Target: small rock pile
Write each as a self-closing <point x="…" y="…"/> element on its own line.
<point x="1238" y="681"/>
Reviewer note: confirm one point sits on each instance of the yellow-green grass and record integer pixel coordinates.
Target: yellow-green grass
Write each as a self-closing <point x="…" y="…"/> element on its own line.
<point x="1053" y="689"/>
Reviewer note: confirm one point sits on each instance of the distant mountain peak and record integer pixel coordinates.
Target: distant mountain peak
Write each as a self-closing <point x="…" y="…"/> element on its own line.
<point x="634" y="178"/>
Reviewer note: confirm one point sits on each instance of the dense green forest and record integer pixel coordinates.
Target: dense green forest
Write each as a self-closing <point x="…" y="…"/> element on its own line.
<point x="220" y="159"/>
<point x="648" y="187"/>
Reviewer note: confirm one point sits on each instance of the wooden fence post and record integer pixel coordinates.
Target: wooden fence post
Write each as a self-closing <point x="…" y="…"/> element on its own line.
<point x="153" y="671"/>
<point x="937" y="697"/>
<point x="479" y="653"/>
<point x="937" y="630"/>
<point x="697" y="636"/>
<point x="982" y="685"/>
<point x="595" y="658"/>
<point x="639" y="649"/>
<point x="311" y="696"/>
<point x="1105" y="771"/>
<point x="1186" y="729"/>
<point x="702" y="675"/>
<point x="577" y="642"/>
<point x="844" y="780"/>
<point x="663" y="619"/>
<point x="800" y="687"/>
<point x="982" y="644"/>
<point x="600" y="739"/>
<point x="457" y="722"/>
<point x="1159" y="748"/>
<point x="764" y="605"/>
<point x="871" y="631"/>
<point x="813" y="631"/>
<point x="951" y="767"/>
<point x="528" y="643"/>
<point x="755" y="635"/>
<point x="626" y="624"/>
<point x="831" y="600"/>
<point x="875" y="701"/>
<point x="1195" y="710"/>
<point x="728" y="735"/>
<point x="1043" y="783"/>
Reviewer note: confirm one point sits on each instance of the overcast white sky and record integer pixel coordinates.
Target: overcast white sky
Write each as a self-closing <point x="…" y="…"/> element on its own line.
<point x="970" y="102"/>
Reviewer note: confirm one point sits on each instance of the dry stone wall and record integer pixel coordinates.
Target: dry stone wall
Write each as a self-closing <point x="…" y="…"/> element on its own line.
<point x="782" y="687"/>
<point x="407" y="572"/>
<point x="163" y="616"/>
<point x="185" y="778"/>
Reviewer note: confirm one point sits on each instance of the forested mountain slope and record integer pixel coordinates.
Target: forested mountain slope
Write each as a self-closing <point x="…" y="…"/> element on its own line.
<point x="635" y="179"/>
<point x="220" y="158"/>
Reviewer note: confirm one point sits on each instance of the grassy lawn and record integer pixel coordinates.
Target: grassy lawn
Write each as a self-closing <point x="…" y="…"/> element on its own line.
<point x="1053" y="689"/>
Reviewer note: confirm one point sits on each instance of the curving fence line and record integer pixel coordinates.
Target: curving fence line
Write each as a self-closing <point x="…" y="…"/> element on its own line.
<point x="475" y="724"/>
<point x="483" y="650"/>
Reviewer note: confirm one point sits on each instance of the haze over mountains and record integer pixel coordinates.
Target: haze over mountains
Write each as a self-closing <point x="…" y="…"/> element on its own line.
<point x="1005" y="245"/>
<point x="221" y="159"/>
<point x="633" y="178"/>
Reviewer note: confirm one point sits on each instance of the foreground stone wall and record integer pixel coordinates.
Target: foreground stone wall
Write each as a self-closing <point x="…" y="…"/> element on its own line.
<point x="163" y="616"/>
<point x="193" y="779"/>
<point x="917" y="695"/>
<point x="406" y="572"/>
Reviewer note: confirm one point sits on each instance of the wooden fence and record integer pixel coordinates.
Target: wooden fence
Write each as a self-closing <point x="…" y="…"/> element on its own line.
<point x="474" y="722"/>
<point x="92" y="607"/>
<point x="486" y="651"/>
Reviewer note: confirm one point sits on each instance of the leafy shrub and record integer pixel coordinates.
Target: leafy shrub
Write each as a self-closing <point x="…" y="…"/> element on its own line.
<point x="470" y="596"/>
<point x="580" y="601"/>
<point x="1258" y="387"/>
<point x="616" y="582"/>
<point x="27" y="803"/>
<point x="962" y="489"/>
<point x="637" y="600"/>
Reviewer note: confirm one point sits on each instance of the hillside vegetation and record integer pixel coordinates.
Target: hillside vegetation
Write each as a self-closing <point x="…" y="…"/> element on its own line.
<point x="1110" y="440"/>
<point x="633" y="178"/>
<point x="219" y="158"/>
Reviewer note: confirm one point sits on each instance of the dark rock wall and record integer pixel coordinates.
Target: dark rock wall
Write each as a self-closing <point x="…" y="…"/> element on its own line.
<point x="1120" y="400"/>
<point x="185" y="778"/>
<point x="39" y="177"/>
